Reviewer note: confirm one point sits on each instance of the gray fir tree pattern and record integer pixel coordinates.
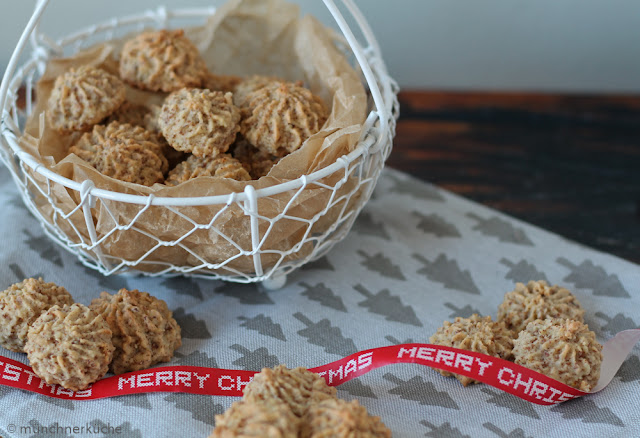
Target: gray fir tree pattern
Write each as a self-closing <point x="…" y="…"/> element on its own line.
<point x="323" y="295"/>
<point x="263" y="325"/>
<point x="202" y="408"/>
<point x="53" y="430"/>
<point x="629" y="370"/>
<point x="184" y="286"/>
<point x="436" y="225"/>
<point x="616" y="324"/>
<point x="515" y="433"/>
<point x="586" y="275"/>
<point x="417" y="389"/>
<point x="249" y="293"/>
<point x="109" y="283"/>
<point x="425" y="192"/>
<point x="500" y="228"/>
<point x="382" y="265"/>
<point x="463" y="312"/>
<point x="446" y="271"/>
<point x="511" y="402"/>
<point x="587" y="411"/>
<point x="60" y="402"/>
<point x="445" y="430"/>
<point x="366" y="225"/>
<point x="522" y="272"/>
<point x="254" y="360"/>
<point x="135" y="400"/>
<point x="16" y="201"/>
<point x="324" y="335"/>
<point x="196" y="359"/>
<point x="358" y="389"/>
<point x="589" y="276"/>
<point x="190" y="326"/>
<point x="395" y="341"/>
<point x="125" y="429"/>
<point x="387" y="305"/>
<point x="19" y="273"/>
<point x="45" y="248"/>
<point x="322" y="263"/>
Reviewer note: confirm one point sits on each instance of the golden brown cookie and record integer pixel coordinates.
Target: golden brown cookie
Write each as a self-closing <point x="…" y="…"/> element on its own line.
<point x="269" y="418"/>
<point x="221" y="166"/>
<point x="226" y="83"/>
<point x="151" y="119"/>
<point x="21" y="304"/>
<point x="163" y="60"/>
<point x="537" y="300"/>
<point x="297" y="387"/>
<point x="83" y="97"/>
<point x="257" y="162"/>
<point x="250" y="84"/>
<point x="474" y="334"/>
<point x="144" y="330"/>
<point x="120" y="132"/>
<point x="563" y="349"/>
<point x="124" y="152"/>
<point x="279" y="117"/>
<point x="202" y="122"/>
<point x="129" y="113"/>
<point x="338" y="418"/>
<point x="69" y="346"/>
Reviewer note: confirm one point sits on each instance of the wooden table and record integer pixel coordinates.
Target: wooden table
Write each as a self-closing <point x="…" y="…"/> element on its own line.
<point x="567" y="163"/>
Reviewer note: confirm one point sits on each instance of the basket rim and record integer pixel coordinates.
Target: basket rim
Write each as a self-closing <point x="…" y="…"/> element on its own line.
<point x="364" y="144"/>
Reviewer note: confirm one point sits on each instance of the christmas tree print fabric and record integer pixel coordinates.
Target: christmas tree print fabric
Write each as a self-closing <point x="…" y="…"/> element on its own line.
<point x="417" y="256"/>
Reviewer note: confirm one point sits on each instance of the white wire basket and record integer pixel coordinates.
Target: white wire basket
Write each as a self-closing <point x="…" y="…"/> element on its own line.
<point x="250" y="255"/>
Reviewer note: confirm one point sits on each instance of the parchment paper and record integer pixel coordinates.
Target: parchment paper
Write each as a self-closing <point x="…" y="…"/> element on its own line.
<point x="244" y="37"/>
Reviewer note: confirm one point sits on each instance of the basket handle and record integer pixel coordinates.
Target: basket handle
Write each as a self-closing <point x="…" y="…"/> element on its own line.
<point x="381" y="109"/>
<point x="17" y="52"/>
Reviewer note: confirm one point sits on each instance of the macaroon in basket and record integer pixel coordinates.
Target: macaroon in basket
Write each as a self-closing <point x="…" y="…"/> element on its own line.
<point x="214" y="227"/>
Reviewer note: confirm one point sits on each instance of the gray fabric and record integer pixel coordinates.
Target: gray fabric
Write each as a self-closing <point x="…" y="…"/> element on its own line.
<point x="417" y="256"/>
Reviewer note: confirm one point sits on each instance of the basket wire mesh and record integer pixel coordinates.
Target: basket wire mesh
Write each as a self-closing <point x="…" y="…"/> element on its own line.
<point x="347" y="184"/>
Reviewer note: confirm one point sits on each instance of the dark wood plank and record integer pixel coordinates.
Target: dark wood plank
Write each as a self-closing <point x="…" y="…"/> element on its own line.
<point x="569" y="164"/>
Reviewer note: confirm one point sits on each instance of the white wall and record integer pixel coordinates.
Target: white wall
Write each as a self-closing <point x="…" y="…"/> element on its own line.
<point x="569" y="45"/>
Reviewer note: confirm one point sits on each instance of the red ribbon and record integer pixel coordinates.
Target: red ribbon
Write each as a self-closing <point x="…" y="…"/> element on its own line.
<point x="499" y="373"/>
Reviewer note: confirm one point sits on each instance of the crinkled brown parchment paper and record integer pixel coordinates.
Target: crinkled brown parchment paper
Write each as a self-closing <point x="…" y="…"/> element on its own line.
<point x="243" y="37"/>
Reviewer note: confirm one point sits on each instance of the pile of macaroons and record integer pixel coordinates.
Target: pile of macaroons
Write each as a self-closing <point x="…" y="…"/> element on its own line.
<point x="209" y="125"/>
<point x="540" y="327"/>
<point x="291" y="403"/>
<point x="73" y="345"/>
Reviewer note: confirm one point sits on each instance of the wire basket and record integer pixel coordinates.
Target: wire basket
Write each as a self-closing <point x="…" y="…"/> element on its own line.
<point x="250" y="254"/>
